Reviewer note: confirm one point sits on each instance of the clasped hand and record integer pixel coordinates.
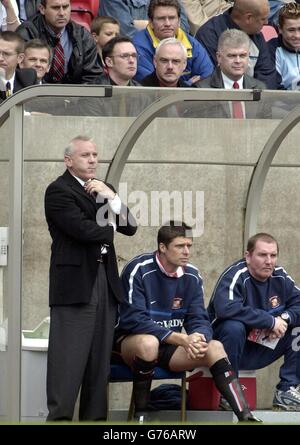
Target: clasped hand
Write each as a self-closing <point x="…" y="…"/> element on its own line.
<point x="196" y="346"/>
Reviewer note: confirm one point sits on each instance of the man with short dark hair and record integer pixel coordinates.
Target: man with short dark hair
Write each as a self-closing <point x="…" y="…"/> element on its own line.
<point x="74" y="50"/>
<point x="163" y="294"/>
<point x="285" y="48"/>
<point x="132" y="15"/>
<point x="164" y="22"/>
<point x="254" y="308"/>
<point x="120" y="59"/>
<point x="37" y="55"/>
<point x="12" y="78"/>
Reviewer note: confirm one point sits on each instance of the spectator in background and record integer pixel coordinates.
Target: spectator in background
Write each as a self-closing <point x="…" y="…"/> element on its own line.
<point x="285" y="48"/>
<point x="233" y="59"/>
<point x="103" y="29"/>
<point x="199" y="11"/>
<point x="37" y="55"/>
<point x="249" y="16"/>
<point x="120" y="60"/>
<point x="132" y="15"/>
<point x="9" y="15"/>
<point x="164" y="22"/>
<point x="170" y="62"/>
<point x="275" y="6"/>
<point x="12" y="78"/>
<point x="74" y="50"/>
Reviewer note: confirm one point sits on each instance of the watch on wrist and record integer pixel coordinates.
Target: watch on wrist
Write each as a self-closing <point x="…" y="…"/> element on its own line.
<point x="285" y="316"/>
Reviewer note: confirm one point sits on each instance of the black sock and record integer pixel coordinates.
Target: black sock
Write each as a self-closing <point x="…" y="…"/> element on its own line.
<point x="229" y="386"/>
<point x="143" y="372"/>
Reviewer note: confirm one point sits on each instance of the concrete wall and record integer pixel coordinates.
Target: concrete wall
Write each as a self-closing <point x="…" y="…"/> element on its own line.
<point x="215" y="156"/>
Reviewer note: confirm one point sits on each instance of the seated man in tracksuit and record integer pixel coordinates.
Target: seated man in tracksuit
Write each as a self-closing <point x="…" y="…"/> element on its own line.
<point x="254" y="308"/>
<point x="163" y="294"/>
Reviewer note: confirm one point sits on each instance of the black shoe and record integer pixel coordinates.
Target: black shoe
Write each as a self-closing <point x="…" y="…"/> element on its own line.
<point x="141" y="417"/>
<point x="251" y="418"/>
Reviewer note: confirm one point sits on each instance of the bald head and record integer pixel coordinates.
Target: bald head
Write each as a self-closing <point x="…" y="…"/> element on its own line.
<point x="250" y="15"/>
<point x="253" y="6"/>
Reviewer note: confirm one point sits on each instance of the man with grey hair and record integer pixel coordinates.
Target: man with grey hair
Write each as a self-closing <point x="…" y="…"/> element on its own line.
<point x="233" y="58"/>
<point x="83" y="214"/>
<point x="248" y="16"/>
<point x="170" y="62"/>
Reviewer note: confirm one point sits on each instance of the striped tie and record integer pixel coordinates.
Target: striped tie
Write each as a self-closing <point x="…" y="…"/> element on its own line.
<point x="58" y="63"/>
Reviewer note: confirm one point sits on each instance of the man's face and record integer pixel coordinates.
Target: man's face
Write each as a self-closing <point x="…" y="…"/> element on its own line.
<point x="9" y="58"/>
<point x="83" y="160"/>
<point x="122" y="64"/>
<point x="57" y="13"/>
<point x="176" y="254"/>
<point x="107" y="32"/>
<point x="38" y="59"/>
<point x="165" y="22"/>
<point x="262" y="260"/>
<point x="291" y="33"/>
<point x="233" y="62"/>
<point x="170" y="63"/>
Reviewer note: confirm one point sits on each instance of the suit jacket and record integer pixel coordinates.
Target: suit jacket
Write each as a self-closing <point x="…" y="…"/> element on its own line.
<point x="222" y="109"/>
<point x="76" y="242"/>
<point x="152" y="81"/>
<point x="25" y="77"/>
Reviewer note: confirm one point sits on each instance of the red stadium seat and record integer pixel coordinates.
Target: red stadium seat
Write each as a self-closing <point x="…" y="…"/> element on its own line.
<point x="83" y="11"/>
<point x="269" y="32"/>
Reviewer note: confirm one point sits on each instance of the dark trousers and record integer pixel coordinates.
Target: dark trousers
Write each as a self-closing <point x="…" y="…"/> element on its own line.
<point x="245" y="354"/>
<point x="80" y="344"/>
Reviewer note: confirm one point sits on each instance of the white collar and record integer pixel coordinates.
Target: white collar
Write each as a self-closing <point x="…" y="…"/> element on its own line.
<point x="177" y="274"/>
<point x="81" y="182"/>
<point x="11" y="81"/>
<point x="228" y="83"/>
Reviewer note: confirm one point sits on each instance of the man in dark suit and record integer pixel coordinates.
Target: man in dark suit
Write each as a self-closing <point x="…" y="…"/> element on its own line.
<point x="13" y="79"/>
<point x="84" y="283"/>
<point x="248" y="16"/>
<point x="232" y="57"/>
